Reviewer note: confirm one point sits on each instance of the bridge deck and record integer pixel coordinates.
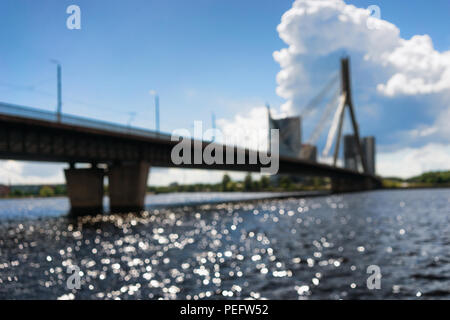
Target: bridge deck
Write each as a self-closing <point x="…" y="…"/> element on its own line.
<point x="34" y="135"/>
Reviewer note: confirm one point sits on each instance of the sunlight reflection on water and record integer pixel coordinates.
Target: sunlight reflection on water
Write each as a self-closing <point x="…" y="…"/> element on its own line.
<point x="279" y="249"/>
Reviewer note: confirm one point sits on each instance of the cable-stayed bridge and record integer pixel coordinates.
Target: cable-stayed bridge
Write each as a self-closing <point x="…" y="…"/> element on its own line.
<point x="125" y="154"/>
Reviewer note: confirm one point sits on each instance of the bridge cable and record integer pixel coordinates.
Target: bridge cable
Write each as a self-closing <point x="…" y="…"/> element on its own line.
<point x="324" y="118"/>
<point x="320" y="96"/>
<point x="334" y="125"/>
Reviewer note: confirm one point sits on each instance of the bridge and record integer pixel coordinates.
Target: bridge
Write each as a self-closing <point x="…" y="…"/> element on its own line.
<point x="125" y="155"/>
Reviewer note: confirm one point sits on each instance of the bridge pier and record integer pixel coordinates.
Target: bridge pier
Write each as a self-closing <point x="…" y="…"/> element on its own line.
<point x="344" y="185"/>
<point x="85" y="190"/>
<point x="128" y="186"/>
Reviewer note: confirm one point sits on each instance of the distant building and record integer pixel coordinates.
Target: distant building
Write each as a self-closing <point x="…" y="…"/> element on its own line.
<point x="350" y="153"/>
<point x="290" y="135"/>
<point x="368" y="146"/>
<point x="4" y="191"/>
<point x="351" y="158"/>
<point x="308" y="152"/>
<point x="290" y="143"/>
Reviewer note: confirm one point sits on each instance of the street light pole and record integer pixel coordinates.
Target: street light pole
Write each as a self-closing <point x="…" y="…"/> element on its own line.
<point x="58" y="89"/>
<point x="213" y="119"/>
<point x="59" y="92"/>
<point x="154" y="93"/>
<point x="157" y="112"/>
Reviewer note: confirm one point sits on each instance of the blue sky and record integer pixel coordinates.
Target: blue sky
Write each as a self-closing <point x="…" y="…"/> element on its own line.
<point x="196" y="54"/>
<point x="201" y="56"/>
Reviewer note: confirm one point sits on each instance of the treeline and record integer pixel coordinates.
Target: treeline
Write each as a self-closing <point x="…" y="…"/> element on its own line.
<point x="277" y="184"/>
<point x="427" y="179"/>
<point x="437" y="177"/>
<point x="37" y="191"/>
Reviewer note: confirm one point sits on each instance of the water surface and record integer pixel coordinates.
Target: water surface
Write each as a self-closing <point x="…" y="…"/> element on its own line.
<point x="299" y="248"/>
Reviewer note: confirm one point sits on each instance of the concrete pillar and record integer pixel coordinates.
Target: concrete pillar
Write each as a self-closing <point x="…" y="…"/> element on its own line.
<point x="85" y="190"/>
<point x="340" y="185"/>
<point x="343" y="185"/>
<point x="128" y="186"/>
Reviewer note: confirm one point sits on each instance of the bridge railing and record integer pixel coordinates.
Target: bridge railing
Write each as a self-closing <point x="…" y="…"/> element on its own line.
<point x="32" y="113"/>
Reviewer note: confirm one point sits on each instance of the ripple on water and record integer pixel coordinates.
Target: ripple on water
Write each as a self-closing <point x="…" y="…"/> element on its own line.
<point x="278" y="249"/>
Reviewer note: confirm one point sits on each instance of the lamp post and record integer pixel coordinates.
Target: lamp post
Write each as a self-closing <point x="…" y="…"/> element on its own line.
<point x="58" y="88"/>
<point x="155" y="94"/>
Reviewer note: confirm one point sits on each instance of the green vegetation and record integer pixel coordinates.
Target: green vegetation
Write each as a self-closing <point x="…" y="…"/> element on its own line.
<point x="60" y="190"/>
<point x="47" y="191"/>
<point x="277" y="183"/>
<point x="265" y="183"/>
<point x="17" y="193"/>
<point x="20" y="191"/>
<point x="248" y="182"/>
<point x="393" y="183"/>
<point x="434" y="179"/>
<point x="437" y="177"/>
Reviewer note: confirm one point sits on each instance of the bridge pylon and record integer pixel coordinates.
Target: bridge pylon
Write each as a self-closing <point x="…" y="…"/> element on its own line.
<point x="345" y="102"/>
<point x="346" y="93"/>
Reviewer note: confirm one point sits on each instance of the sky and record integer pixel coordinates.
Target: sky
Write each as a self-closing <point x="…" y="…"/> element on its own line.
<point x="231" y="57"/>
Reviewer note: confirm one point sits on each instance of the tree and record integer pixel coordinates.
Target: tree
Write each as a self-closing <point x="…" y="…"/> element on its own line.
<point x="60" y="190"/>
<point x="17" y="193"/>
<point x="225" y="182"/>
<point x="256" y="185"/>
<point x="46" y="191"/>
<point x="231" y="186"/>
<point x="248" y="185"/>
<point x="285" y="182"/>
<point x="265" y="182"/>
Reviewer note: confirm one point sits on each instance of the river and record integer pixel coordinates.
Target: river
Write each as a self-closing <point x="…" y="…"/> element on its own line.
<point x="295" y="248"/>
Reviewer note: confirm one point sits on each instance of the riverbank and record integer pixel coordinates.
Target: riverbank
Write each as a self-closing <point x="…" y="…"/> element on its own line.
<point x="417" y="187"/>
<point x="175" y="192"/>
<point x="275" y="184"/>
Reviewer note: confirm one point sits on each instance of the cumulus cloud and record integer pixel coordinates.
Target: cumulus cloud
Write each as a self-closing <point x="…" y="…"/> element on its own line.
<point x="249" y="128"/>
<point x="419" y="68"/>
<point x="409" y="162"/>
<point x="18" y="172"/>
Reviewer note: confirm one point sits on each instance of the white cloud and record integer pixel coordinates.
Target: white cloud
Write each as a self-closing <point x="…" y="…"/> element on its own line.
<point x="420" y="69"/>
<point x="248" y="128"/>
<point x="442" y="123"/>
<point x="409" y="162"/>
<point x="19" y="172"/>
